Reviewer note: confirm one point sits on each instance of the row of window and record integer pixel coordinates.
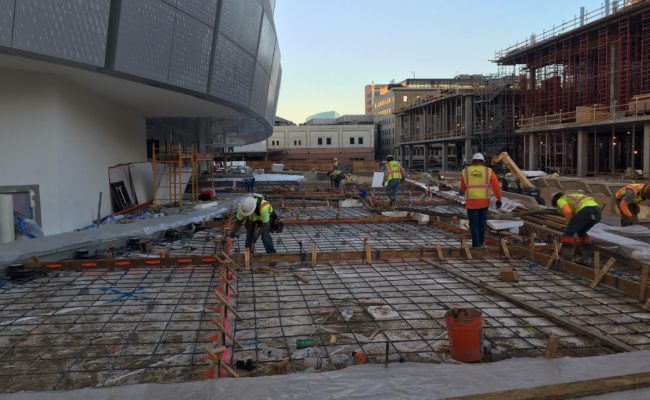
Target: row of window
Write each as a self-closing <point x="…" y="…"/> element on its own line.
<point x="359" y="140"/>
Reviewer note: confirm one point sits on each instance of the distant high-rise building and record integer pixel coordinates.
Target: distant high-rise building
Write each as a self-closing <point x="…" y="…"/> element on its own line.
<point x="370" y="91"/>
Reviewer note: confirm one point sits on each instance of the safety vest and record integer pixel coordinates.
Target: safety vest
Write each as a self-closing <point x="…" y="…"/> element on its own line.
<point x="576" y="202"/>
<point x="477" y="182"/>
<point x="394" y="171"/>
<point x="262" y="212"/>
<point x="637" y="188"/>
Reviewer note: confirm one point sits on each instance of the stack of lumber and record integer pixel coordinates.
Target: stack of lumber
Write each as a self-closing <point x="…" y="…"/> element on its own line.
<point x="596" y="112"/>
<point x="639" y="104"/>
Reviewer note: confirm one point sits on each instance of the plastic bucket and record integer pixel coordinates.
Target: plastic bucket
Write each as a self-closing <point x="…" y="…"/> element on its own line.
<point x="465" y="328"/>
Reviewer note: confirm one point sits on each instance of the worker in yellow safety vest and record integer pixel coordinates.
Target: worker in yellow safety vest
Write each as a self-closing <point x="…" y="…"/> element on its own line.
<point x="256" y="213"/>
<point x="476" y="181"/>
<point x="628" y="199"/>
<point x="394" y="174"/>
<point x="335" y="174"/>
<point x="581" y="212"/>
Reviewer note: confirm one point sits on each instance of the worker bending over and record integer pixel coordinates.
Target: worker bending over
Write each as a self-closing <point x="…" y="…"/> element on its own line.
<point x="475" y="183"/>
<point x="581" y="212"/>
<point x="257" y="213"/>
<point x="628" y="199"/>
<point x="394" y="174"/>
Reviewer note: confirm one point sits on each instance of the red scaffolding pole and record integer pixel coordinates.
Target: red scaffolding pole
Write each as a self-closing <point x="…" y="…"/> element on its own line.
<point x="623" y="61"/>
<point x="645" y="52"/>
<point x="602" y="83"/>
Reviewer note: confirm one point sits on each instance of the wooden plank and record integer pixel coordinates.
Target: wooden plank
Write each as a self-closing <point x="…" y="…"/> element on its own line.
<point x="555" y="256"/>
<point x="222" y="298"/>
<point x="568" y="390"/>
<point x="584" y="330"/>
<point x="504" y="248"/>
<point x="610" y="263"/>
<point x="371" y="302"/>
<point x="552" y="346"/>
<point x="225" y="332"/>
<point x="301" y="276"/>
<point x="374" y="334"/>
<point x="333" y="340"/>
<point x="647" y="305"/>
<point x="596" y="264"/>
<point x="314" y="254"/>
<point x="643" y="284"/>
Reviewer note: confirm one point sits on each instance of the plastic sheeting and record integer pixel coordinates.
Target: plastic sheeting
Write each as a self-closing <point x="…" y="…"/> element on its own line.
<point x="23" y="249"/>
<point x="631" y="248"/>
<point x="398" y="381"/>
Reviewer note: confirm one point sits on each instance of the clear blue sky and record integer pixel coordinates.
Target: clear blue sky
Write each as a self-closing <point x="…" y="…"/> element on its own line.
<point x="332" y="48"/>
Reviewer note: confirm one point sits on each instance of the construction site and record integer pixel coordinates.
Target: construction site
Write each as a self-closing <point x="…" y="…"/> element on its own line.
<point x="347" y="290"/>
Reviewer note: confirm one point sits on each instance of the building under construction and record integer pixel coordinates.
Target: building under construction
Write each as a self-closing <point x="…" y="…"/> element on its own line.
<point x="573" y="99"/>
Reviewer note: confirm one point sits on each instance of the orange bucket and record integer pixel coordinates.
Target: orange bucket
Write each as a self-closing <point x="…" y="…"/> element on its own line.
<point x="465" y="328"/>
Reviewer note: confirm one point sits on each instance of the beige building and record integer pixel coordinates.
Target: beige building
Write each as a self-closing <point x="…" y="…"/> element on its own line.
<point x="322" y="143"/>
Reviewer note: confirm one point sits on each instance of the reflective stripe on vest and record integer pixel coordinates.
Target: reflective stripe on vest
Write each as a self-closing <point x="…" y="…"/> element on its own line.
<point x="477" y="182"/>
<point x="265" y="206"/>
<point x="394" y="171"/>
<point x="634" y="187"/>
<point x="576" y="202"/>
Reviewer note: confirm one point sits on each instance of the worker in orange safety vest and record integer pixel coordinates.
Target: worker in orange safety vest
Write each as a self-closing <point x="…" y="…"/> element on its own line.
<point x="628" y="199"/>
<point x="475" y="183"/>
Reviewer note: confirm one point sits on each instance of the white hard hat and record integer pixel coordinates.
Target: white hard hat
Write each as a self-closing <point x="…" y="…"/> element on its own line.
<point x="336" y="159"/>
<point x="478" y="157"/>
<point x="247" y="207"/>
<point x="389" y="156"/>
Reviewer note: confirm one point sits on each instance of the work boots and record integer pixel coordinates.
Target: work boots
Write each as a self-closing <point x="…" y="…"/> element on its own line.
<point x="587" y="250"/>
<point x="568" y="248"/>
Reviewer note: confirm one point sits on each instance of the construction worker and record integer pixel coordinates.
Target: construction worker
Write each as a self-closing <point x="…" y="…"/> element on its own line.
<point x="581" y="212"/>
<point x="628" y="199"/>
<point x="336" y="175"/>
<point x="394" y="174"/>
<point x="475" y="183"/>
<point x="256" y="212"/>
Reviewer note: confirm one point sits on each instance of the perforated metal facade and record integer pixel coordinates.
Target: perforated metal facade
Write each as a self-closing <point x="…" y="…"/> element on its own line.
<point x="225" y="51"/>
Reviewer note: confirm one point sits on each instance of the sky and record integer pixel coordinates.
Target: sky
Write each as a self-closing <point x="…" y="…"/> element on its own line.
<point x="331" y="49"/>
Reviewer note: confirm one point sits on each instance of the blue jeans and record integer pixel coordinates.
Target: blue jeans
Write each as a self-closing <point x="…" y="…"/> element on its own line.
<point x="391" y="189"/>
<point x="478" y="225"/>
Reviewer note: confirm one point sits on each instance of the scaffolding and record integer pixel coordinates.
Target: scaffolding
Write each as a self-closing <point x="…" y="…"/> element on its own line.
<point x="172" y="168"/>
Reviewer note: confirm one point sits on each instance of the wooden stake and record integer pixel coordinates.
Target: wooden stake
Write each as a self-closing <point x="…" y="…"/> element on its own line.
<point x="247" y="258"/>
<point x="301" y="276"/>
<point x="221" y="298"/>
<point x="555" y="256"/>
<point x="531" y="238"/>
<point x="333" y="340"/>
<point x="596" y="264"/>
<point x="368" y="253"/>
<point x="231" y="270"/>
<point x="227" y="258"/>
<point x="232" y="290"/>
<point x="225" y="332"/>
<point x="468" y="253"/>
<point x="647" y="305"/>
<point x="644" y="282"/>
<point x="552" y="346"/>
<point x="441" y="255"/>
<point x="610" y="263"/>
<point x="314" y="254"/>
<point x="504" y="247"/>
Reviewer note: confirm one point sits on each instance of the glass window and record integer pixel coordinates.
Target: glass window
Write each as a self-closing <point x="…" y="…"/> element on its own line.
<point x="320" y="140"/>
<point x="351" y="140"/>
<point x="359" y="140"/>
<point x="329" y="140"/>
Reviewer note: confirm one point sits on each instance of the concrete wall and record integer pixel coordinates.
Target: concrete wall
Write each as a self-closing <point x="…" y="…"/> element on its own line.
<point x="63" y="138"/>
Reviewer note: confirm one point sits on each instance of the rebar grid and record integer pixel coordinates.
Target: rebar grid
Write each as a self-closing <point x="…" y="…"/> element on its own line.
<point x="416" y="298"/>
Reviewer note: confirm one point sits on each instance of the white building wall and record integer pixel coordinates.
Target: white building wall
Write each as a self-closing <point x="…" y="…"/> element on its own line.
<point x="289" y="137"/>
<point x="63" y="138"/>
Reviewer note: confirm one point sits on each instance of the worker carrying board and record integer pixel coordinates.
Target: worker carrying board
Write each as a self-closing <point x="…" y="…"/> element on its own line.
<point x="394" y="174"/>
<point x="628" y="199"/>
<point x="581" y="212"/>
<point x="475" y="183"/>
<point x="260" y="220"/>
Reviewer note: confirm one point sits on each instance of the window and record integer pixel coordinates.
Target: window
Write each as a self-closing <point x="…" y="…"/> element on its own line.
<point x="320" y="140"/>
<point x="405" y="98"/>
<point x="360" y="140"/>
<point x="329" y="140"/>
<point x="295" y="143"/>
<point x="299" y="142"/>
<point x="351" y="140"/>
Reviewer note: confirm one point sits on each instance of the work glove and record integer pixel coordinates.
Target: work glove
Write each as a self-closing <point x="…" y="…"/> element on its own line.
<point x="499" y="204"/>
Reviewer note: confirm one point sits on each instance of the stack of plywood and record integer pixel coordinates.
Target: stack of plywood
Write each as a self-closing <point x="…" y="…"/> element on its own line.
<point x="639" y="104"/>
<point x="596" y="112"/>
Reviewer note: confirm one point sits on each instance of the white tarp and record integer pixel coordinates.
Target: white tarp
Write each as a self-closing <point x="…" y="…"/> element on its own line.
<point x="631" y="248"/>
<point x="398" y="381"/>
<point x="377" y="179"/>
<point x="278" y="178"/>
